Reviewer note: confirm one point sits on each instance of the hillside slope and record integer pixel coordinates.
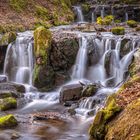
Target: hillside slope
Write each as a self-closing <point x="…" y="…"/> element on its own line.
<point x="26" y="14"/>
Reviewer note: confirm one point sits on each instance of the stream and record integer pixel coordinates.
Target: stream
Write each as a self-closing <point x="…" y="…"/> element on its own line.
<point x="106" y="66"/>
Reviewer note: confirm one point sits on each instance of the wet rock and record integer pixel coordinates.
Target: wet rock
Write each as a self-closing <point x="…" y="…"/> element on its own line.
<point x="3" y="78"/>
<point x="8" y="121"/>
<point x="8" y="103"/>
<point x="71" y="92"/>
<point x="90" y="90"/>
<point x="12" y="87"/>
<point x="126" y="47"/>
<point x="7" y="93"/>
<point x="15" y="136"/>
<point x="71" y="111"/>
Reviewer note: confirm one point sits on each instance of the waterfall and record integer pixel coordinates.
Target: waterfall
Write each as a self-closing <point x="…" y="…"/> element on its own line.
<point x="103" y="12"/>
<point x="79" y="13"/>
<point x="93" y="17"/>
<point x="81" y="60"/>
<point x="18" y="64"/>
<point x="126" y="16"/>
<point x="109" y="70"/>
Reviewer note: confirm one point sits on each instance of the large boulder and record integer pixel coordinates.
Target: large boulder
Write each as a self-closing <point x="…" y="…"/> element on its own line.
<point x="55" y="54"/>
<point x="13" y="87"/>
<point x="71" y="92"/>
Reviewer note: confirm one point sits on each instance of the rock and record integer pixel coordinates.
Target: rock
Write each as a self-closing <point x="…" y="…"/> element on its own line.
<point x="8" y="121"/>
<point x="12" y="87"/>
<point x="126" y="47"/>
<point x="71" y="92"/>
<point x="7" y="38"/>
<point x="98" y="128"/>
<point x="3" y="78"/>
<point x="90" y="90"/>
<point x="7" y="93"/>
<point x="71" y="111"/>
<point x="135" y="65"/>
<point x="8" y="103"/>
<point x="15" y="136"/>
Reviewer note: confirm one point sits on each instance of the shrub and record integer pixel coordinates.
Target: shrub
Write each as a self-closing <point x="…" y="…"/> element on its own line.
<point x="118" y="30"/>
<point x="132" y="23"/>
<point x="106" y="20"/>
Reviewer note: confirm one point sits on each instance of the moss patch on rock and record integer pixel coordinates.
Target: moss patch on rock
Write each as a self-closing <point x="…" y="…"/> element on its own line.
<point x="106" y="20"/>
<point x="42" y="41"/>
<point x="98" y="128"/>
<point x="8" y="103"/>
<point x="8" y="121"/>
<point x="7" y="38"/>
<point x="132" y="23"/>
<point x="118" y="30"/>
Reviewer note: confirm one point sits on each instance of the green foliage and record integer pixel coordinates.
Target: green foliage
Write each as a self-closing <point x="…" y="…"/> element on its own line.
<point x="8" y="121"/>
<point x="132" y="23"/>
<point x="85" y="7"/>
<point x="106" y="20"/>
<point x="18" y="5"/>
<point x="117" y="21"/>
<point x="118" y="30"/>
<point x="7" y="38"/>
<point x="8" y="103"/>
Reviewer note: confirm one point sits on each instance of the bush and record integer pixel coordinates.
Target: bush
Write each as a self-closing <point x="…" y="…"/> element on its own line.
<point x="106" y="20"/>
<point x="118" y="30"/>
<point x="132" y="23"/>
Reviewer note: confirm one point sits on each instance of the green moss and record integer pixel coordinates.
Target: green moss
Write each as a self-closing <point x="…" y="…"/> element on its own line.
<point x="106" y="20"/>
<point x="118" y="30"/>
<point x="42" y="41"/>
<point x="99" y="127"/>
<point x="8" y="103"/>
<point x="85" y="7"/>
<point x="18" y="5"/>
<point x="137" y="29"/>
<point x="8" y="38"/>
<point x="132" y="23"/>
<point x="8" y="121"/>
<point x="117" y="21"/>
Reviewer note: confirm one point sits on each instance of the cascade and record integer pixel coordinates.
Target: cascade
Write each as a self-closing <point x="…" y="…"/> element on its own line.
<point x="79" y="13"/>
<point x="103" y="12"/>
<point x="18" y="64"/>
<point x="126" y="16"/>
<point x="93" y="17"/>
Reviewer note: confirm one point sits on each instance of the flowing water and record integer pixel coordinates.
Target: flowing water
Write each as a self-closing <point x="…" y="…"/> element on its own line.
<point x="99" y="60"/>
<point x="79" y="13"/>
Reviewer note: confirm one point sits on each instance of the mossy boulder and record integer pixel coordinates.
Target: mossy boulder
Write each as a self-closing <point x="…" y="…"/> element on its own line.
<point x="118" y="30"/>
<point x="8" y="121"/>
<point x="98" y="128"/>
<point x="132" y="23"/>
<point x="8" y="103"/>
<point x="42" y="41"/>
<point x="7" y="38"/>
<point x="89" y="90"/>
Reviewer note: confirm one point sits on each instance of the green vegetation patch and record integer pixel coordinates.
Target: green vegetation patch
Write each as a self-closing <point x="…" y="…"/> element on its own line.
<point x="132" y="23"/>
<point x="18" y="5"/>
<point x="106" y="20"/>
<point x="8" y="103"/>
<point x="8" y="121"/>
<point x="118" y="30"/>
